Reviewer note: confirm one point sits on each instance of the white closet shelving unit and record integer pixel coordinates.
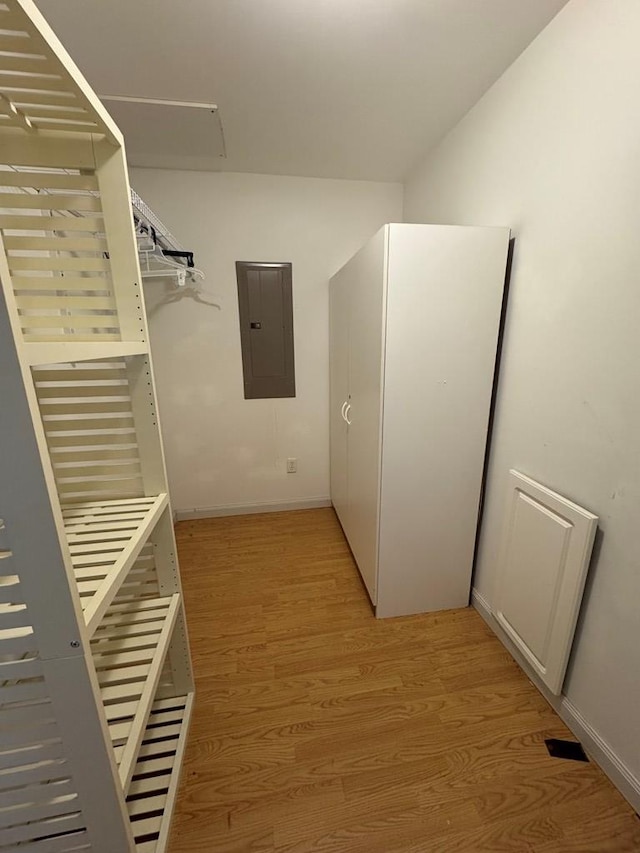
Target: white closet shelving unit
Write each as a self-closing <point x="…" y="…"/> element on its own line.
<point x="96" y="686"/>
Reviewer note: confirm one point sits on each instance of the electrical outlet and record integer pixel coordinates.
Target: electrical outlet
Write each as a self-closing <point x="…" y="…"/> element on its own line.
<point x="292" y="465"/>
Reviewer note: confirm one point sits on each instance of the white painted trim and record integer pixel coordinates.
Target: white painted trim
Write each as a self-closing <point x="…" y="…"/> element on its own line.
<point x="250" y="509"/>
<point x="602" y="753"/>
<point x="595" y="745"/>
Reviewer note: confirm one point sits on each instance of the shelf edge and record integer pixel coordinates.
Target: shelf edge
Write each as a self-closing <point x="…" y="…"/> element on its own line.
<point x="174" y="784"/>
<point x="64" y="353"/>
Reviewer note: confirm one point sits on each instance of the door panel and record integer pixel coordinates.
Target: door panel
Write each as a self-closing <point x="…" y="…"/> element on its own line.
<point x="367" y="279"/>
<point x="339" y="391"/>
<point x="545" y="555"/>
<point x="443" y="312"/>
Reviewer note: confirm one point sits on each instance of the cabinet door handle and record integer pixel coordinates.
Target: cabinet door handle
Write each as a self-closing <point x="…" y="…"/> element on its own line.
<point x="346" y="414"/>
<point x="344" y="406"/>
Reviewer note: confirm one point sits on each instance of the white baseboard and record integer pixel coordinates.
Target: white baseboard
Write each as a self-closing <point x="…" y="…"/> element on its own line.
<point x="602" y="753"/>
<point x="250" y="509"/>
<point x="597" y="748"/>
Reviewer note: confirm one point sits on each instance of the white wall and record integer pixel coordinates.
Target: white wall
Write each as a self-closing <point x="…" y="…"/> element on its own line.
<point x="553" y="150"/>
<point x="223" y="450"/>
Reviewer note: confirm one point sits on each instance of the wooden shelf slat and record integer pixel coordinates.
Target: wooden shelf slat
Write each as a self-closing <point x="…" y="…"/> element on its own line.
<point x="104" y="539"/>
<point x="65" y="353"/>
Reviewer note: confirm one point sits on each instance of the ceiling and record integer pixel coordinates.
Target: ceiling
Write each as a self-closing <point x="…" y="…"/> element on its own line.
<point x="322" y="88"/>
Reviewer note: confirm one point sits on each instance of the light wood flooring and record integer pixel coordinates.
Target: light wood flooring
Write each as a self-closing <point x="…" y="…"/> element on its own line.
<point x="319" y="728"/>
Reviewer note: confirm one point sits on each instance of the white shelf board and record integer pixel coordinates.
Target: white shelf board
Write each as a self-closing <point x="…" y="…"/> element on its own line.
<point x="156" y="775"/>
<point x="105" y="538"/>
<point x="65" y="353"/>
<point x="129" y="649"/>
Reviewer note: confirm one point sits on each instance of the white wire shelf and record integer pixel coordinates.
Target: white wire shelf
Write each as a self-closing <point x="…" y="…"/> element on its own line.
<point x="129" y="649"/>
<point x="105" y="538"/>
<point x="141" y="210"/>
<point x="153" y="789"/>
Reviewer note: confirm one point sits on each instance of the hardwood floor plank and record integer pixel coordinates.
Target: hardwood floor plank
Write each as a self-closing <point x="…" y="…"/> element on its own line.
<point x="543" y="791"/>
<point x="202" y="837"/>
<point x="319" y="729"/>
<point x="376" y="827"/>
<point x="309" y="803"/>
<point x="593" y="823"/>
<point x="514" y="836"/>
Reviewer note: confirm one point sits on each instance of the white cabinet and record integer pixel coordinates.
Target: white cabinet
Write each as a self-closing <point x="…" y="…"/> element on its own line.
<point x="415" y="317"/>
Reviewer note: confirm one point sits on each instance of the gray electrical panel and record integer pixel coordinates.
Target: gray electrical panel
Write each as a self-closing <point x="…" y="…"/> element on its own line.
<point x="265" y="305"/>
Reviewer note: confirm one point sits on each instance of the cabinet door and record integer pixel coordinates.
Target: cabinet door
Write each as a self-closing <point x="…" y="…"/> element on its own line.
<point x="339" y="392"/>
<point x="443" y="315"/>
<point x="367" y="288"/>
<point x="545" y="556"/>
